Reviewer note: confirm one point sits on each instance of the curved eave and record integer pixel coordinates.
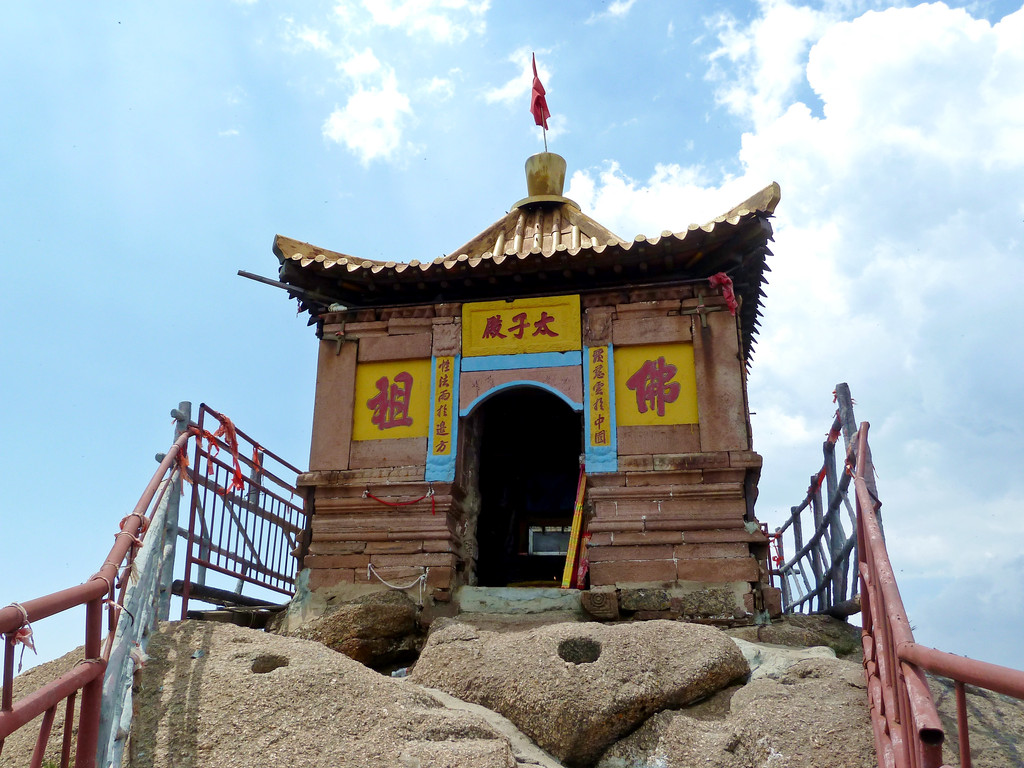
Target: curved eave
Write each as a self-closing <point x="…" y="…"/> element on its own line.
<point x="735" y="243"/>
<point x="320" y="260"/>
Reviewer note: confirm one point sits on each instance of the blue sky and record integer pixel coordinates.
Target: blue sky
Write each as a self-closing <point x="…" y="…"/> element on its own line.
<point x="149" y="151"/>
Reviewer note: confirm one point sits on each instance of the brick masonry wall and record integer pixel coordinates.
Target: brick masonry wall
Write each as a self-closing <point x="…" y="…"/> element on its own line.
<point x="674" y="512"/>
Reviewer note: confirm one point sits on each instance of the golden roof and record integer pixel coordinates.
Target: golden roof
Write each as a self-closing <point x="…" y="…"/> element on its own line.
<point x="544" y="246"/>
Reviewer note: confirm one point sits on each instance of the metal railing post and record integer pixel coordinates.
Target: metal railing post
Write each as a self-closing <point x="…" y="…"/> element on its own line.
<point x="182" y="415"/>
<point x="92" y="692"/>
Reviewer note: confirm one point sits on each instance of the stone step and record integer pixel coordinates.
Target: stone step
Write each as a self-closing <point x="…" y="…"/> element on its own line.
<point x="517" y="600"/>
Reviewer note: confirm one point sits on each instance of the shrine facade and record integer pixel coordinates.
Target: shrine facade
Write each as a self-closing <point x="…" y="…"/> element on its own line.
<point x="458" y="401"/>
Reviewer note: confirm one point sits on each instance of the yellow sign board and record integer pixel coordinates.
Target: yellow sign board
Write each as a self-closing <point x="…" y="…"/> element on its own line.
<point x="444" y="405"/>
<point x="600" y="396"/>
<point x="655" y="384"/>
<point x="392" y="400"/>
<point x="549" y="324"/>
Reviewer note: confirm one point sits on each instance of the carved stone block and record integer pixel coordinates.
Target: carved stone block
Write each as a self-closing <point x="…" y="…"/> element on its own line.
<point x="601" y="603"/>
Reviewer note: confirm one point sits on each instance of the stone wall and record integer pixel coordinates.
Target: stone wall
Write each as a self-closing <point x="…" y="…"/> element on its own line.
<point x="679" y="508"/>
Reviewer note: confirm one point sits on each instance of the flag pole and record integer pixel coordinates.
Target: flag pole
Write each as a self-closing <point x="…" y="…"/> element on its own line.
<point x="539" y="104"/>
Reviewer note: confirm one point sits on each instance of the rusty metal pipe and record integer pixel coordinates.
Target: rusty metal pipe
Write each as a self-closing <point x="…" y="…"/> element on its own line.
<point x="994" y="677"/>
<point x="34" y="704"/>
<point x="919" y="698"/>
<point x="69" y="716"/>
<point x="244" y="577"/>
<point x="928" y="735"/>
<point x="97" y="585"/>
<point x="92" y="691"/>
<point x="963" y="734"/>
<point x="8" y="680"/>
<point x="44" y="737"/>
<point x="42" y="607"/>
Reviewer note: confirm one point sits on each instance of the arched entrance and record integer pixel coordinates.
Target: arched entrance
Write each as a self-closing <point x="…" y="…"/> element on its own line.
<point x="530" y="443"/>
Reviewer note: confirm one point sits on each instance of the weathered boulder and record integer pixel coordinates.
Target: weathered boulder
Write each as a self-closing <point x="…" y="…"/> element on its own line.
<point x="773" y="661"/>
<point x="576" y="688"/>
<point x="226" y="697"/>
<point x="806" y="632"/>
<point x="377" y="630"/>
<point x="814" y="713"/>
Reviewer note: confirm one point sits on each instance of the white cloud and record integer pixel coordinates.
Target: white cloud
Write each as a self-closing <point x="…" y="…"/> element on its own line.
<point x="615" y="10"/>
<point x="558" y="125"/>
<point x="672" y="198"/>
<point x="370" y="125"/>
<point x="309" y="38"/>
<point x="518" y="88"/>
<point x="378" y="110"/>
<point x="440" y="88"/>
<point x="360" y="66"/>
<point x="772" y="50"/>
<point x="448" y="21"/>
<point x="228" y="133"/>
<point x="899" y="242"/>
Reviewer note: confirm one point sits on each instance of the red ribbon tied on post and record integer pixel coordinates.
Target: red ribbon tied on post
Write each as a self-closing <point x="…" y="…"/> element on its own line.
<point x="722" y="279"/>
<point x="538" y="101"/>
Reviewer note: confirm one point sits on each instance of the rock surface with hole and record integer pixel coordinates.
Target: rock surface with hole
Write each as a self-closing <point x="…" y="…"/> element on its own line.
<point x="576" y="688"/>
<point x="803" y="714"/>
<point x="802" y="631"/>
<point x="379" y="629"/>
<point x="252" y="698"/>
<point x="218" y="696"/>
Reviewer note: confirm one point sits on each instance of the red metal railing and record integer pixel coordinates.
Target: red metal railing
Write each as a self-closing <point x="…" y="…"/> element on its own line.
<point x="87" y="676"/>
<point x="259" y="534"/>
<point x="906" y="725"/>
<point x="245" y="522"/>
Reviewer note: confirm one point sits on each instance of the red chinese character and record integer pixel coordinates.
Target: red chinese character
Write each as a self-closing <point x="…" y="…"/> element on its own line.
<point x="599" y="421"/>
<point x="441" y="428"/>
<point x="391" y="403"/>
<point x="601" y="437"/>
<point x="597" y="355"/>
<point x="521" y="325"/>
<point x="445" y="380"/>
<point x="599" y="404"/>
<point x="444" y="394"/>
<point x="445" y="365"/>
<point x="441" y="411"/>
<point x="441" y="446"/>
<point x="598" y="372"/>
<point x="540" y="328"/>
<point x="493" y="328"/>
<point x="597" y="388"/>
<point x="654" y="386"/>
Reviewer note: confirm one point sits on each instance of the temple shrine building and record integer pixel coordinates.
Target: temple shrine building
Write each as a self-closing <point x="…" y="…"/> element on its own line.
<point x="458" y="401"/>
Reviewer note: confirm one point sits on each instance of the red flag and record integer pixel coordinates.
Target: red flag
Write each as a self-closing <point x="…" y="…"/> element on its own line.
<point x="539" y="104"/>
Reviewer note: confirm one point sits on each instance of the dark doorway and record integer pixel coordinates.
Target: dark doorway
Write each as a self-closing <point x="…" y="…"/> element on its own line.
<point x="529" y="469"/>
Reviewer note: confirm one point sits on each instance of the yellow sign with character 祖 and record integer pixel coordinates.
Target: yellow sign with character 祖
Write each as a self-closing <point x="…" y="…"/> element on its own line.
<point x="392" y="400"/>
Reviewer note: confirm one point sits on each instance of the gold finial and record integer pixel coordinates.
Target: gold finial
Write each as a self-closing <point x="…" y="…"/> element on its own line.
<point x="545" y="180"/>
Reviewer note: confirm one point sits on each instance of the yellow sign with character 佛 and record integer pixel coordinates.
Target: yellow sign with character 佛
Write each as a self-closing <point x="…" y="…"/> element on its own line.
<point x="655" y="384"/>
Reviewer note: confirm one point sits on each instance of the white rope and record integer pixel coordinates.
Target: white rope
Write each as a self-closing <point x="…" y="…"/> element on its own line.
<point x="421" y="580"/>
